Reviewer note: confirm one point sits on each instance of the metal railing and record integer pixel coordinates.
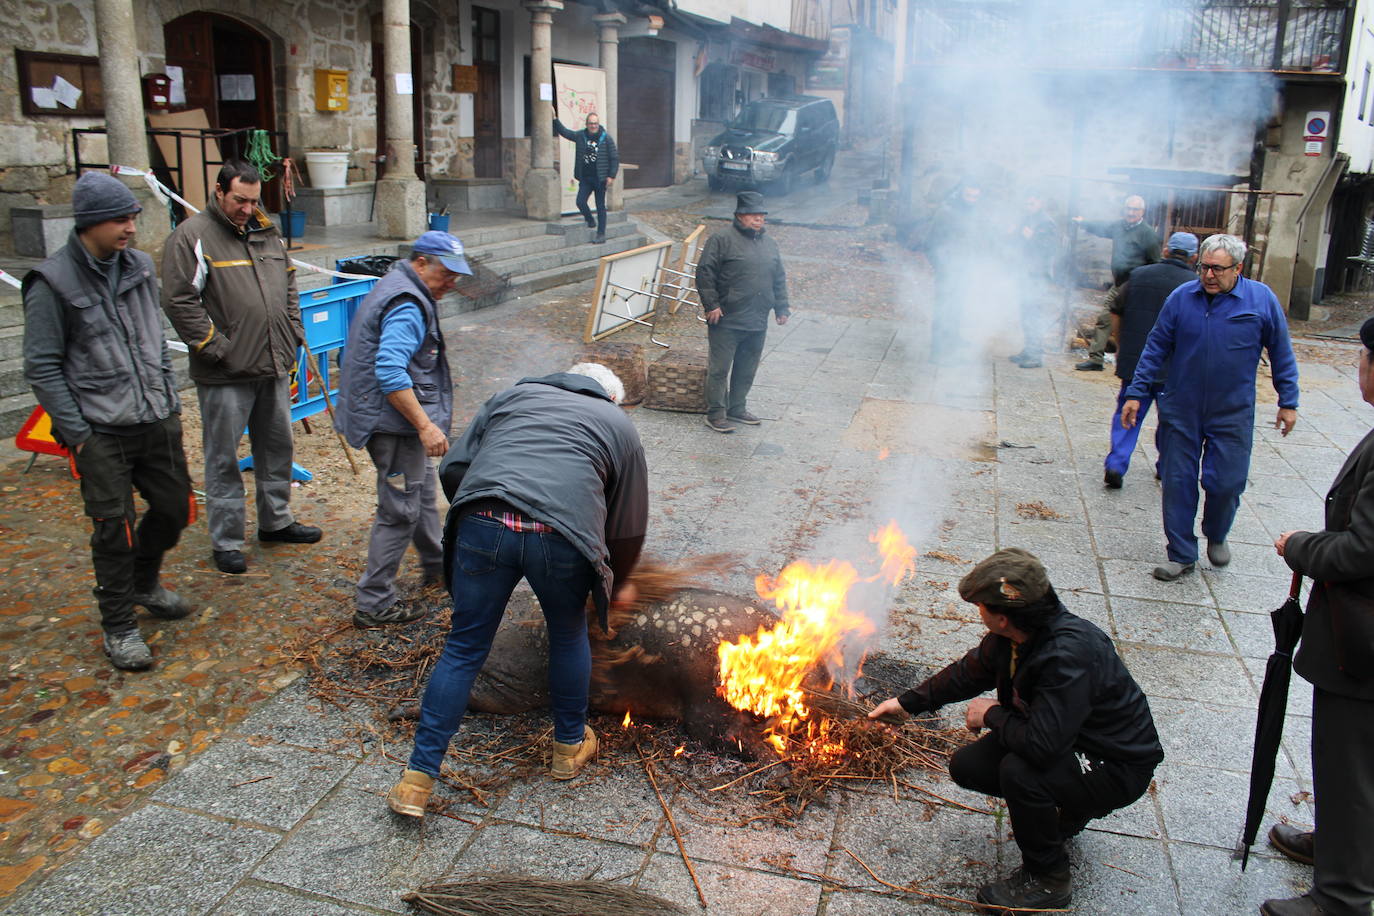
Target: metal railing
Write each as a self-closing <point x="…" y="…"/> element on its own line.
<point x="1286" y="35"/>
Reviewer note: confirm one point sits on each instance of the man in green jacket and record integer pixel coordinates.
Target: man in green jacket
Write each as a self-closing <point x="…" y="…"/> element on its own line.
<point x="739" y="279"/>
<point x="230" y="291"/>
<point x="1134" y="243"/>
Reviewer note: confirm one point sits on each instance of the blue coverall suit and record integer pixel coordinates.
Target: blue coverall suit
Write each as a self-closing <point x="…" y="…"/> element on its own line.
<point x="1207" y="407"/>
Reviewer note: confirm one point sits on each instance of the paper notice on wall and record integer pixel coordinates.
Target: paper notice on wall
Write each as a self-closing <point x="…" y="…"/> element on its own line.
<point x="177" y="91"/>
<point x="65" y="92"/>
<point x="546" y="92"/>
<point x="43" y="97"/>
<point x="405" y="84"/>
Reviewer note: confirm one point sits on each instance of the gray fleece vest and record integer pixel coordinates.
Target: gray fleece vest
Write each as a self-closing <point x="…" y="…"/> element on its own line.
<point x="363" y="410"/>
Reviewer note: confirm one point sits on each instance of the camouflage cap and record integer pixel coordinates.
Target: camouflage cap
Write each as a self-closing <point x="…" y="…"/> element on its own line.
<point x="1011" y="577"/>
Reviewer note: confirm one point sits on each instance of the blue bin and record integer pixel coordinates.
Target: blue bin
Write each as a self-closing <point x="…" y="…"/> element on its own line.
<point x="438" y="222"/>
<point x="292" y="223"/>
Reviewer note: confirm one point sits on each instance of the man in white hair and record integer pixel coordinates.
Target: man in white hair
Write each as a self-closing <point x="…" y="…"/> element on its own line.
<point x="548" y="484"/>
<point x="1134" y="244"/>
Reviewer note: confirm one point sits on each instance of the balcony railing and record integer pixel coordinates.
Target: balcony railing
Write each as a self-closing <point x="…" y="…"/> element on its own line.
<point x="1287" y="35"/>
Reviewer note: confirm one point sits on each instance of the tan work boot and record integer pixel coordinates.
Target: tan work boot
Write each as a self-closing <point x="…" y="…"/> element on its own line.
<point x="568" y="759"/>
<point x="409" y="796"/>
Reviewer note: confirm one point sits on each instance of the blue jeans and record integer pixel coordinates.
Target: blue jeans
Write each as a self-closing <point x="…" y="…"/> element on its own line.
<point x="1220" y="446"/>
<point x="489" y="559"/>
<point x="586" y="189"/>
<point x="1124" y="440"/>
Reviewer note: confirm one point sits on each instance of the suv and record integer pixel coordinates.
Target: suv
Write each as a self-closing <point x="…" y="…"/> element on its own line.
<point x="774" y="141"/>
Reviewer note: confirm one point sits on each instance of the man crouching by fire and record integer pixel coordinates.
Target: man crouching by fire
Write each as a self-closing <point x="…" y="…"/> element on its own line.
<point x="1070" y="736"/>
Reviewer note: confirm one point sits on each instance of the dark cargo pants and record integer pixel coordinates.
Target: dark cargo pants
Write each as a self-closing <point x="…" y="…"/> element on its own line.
<point x="407" y="512"/>
<point x="732" y="364"/>
<point x="127" y="558"/>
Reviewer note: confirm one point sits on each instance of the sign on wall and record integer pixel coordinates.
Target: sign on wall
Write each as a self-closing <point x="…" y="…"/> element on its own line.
<point x="580" y="91"/>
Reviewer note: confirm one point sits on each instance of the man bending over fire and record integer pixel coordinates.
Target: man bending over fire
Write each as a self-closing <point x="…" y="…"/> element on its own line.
<point x="1070" y="736"/>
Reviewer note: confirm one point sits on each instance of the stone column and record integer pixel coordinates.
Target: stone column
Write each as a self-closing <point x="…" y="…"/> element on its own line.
<point x="542" y="199"/>
<point x="126" y="136"/>
<point x="400" y="195"/>
<point x="609" y="38"/>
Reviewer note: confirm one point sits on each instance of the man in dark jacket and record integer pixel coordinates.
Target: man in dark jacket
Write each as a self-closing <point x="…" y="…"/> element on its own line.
<point x="1134" y="243"/>
<point x="230" y="291"/>
<point x="548" y="483"/>
<point x="739" y="279"/>
<point x="96" y="358"/>
<point x="1036" y="245"/>
<point x="396" y="400"/>
<point x="596" y="164"/>
<point x="1070" y="735"/>
<point x="1337" y="656"/>
<point x="1133" y="315"/>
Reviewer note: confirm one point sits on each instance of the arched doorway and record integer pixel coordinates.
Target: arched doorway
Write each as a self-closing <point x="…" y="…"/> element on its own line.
<point x="227" y="70"/>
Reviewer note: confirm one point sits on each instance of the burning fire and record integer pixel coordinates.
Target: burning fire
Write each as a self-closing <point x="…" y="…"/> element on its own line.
<point x="763" y="674"/>
<point x="626" y="722"/>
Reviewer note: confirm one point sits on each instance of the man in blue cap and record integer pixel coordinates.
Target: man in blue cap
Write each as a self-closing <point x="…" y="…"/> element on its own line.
<point x="1133" y="314"/>
<point x="396" y="400"/>
<point x="1210" y="333"/>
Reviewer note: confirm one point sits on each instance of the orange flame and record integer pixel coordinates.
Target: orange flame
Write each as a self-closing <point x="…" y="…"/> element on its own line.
<point x="681" y="749"/>
<point x="764" y="674"/>
<point x="626" y="722"/>
<point x="883" y="453"/>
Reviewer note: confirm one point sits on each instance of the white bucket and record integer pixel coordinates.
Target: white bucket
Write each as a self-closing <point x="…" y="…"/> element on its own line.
<point x="327" y="170"/>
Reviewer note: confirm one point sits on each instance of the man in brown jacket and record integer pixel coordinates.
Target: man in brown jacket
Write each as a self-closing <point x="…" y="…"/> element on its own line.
<point x="230" y="291"/>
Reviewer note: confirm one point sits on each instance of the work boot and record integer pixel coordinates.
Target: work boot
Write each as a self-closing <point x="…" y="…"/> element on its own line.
<point x="600" y="239"/>
<point x="128" y="651"/>
<point x="401" y="611"/>
<point x="719" y="424"/>
<point x="1089" y="365"/>
<point x="294" y="533"/>
<point x="745" y="417"/>
<point x="1292" y="906"/>
<point x="1218" y="553"/>
<point x="568" y="759"/>
<point x="411" y="794"/>
<point x="1112" y="479"/>
<point x="1168" y="571"/>
<point x="1297" y="844"/>
<point x="230" y="561"/>
<point x="161" y="603"/>
<point x="591" y="223"/>
<point x="1022" y="890"/>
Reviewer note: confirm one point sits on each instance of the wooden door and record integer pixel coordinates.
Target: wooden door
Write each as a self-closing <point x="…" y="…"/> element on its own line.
<point x="486" y="104"/>
<point x="417" y="104"/>
<point x="191" y="46"/>
<point x="644" y="123"/>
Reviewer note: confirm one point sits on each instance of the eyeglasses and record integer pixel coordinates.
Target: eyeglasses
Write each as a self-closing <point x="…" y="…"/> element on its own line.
<point x="1214" y="268"/>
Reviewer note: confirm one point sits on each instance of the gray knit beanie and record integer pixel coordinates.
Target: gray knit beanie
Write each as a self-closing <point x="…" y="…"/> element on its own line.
<point x="99" y="197"/>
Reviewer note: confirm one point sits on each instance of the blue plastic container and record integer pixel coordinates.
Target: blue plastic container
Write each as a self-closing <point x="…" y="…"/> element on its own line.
<point x="438" y="222"/>
<point x="292" y="223"/>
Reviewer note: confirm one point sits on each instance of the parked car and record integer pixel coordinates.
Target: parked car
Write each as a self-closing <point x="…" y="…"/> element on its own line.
<point x="773" y="142"/>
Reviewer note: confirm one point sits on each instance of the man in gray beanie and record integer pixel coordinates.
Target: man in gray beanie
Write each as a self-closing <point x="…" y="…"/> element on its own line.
<point x="97" y="361"/>
<point x="1070" y="736"/>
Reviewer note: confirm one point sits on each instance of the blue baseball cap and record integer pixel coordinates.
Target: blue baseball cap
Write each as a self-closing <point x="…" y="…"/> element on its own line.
<point x="448" y="250"/>
<point x="1183" y="241"/>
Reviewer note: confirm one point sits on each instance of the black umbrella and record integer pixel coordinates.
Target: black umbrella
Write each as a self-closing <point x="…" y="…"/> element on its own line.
<point x="1273" y="704"/>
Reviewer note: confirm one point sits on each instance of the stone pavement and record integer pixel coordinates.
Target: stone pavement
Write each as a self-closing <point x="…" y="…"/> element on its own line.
<point x="282" y="815"/>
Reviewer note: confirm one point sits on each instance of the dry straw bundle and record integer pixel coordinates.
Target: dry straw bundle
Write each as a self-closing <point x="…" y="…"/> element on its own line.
<point x="522" y="895"/>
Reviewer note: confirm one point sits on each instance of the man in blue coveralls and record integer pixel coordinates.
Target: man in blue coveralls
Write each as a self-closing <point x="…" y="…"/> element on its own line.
<point x="1212" y="329"/>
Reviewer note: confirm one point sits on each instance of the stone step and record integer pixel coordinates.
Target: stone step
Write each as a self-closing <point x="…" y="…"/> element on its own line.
<point x="515" y="267"/>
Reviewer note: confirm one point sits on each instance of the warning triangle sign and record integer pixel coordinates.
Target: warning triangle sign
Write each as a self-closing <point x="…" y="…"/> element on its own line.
<point x="36" y="435"/>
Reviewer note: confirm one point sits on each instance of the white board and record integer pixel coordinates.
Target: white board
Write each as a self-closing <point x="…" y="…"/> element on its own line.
<point x="626" y="289"/>
<point x="580" y="92"/>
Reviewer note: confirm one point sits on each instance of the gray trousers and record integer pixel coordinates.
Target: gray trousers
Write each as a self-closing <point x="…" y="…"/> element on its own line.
<point x="264" y="407"/>
<point x="1102" y="330"/>
<point x="1343" y="783"/>
<point x="407" y="512"/>
<point x="733" y="361"/>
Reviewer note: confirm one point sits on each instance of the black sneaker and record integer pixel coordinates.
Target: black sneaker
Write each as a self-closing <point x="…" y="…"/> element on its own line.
<point x="591" y="223"/>
<point x="600" y="239"/>
<point x="402" y="611"/>
<point x="294" y="533"/>
<point x="163" y="603"/>
<point x="744" y="417"/>
<point x="128" y="651"/>
<point x="230" y="561"/>
<point x="1089" y="365"/>
<point x="1022" y="890"/>
<point x="719" y="424"/>
<point x="1112" y="479"/>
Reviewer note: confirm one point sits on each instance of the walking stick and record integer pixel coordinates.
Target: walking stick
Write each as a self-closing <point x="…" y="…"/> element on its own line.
<point x="329" y="406"/>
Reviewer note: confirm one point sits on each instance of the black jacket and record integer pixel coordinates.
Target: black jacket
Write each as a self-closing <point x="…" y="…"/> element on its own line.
<point x="607" y="156"/>
<point x="1071" y="692"/>
<point x="1143" y="297"/>
<point x="1343" y="553"/>
<point x="740" y="272"/>
<point x="1132" y="246"/>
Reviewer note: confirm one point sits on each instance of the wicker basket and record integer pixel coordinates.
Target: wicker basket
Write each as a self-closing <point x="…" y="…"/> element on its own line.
<point x="678" y="382"/>
<point x="626" y="360"/>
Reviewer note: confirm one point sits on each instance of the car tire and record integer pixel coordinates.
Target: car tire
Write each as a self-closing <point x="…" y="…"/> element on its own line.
<point x="823" y="173"/>
<point x="781" y="187"/>
<point x="714" y="183"/>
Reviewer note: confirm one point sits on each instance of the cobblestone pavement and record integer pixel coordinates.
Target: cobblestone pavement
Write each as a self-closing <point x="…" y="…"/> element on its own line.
<point x="205" y="787"/>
